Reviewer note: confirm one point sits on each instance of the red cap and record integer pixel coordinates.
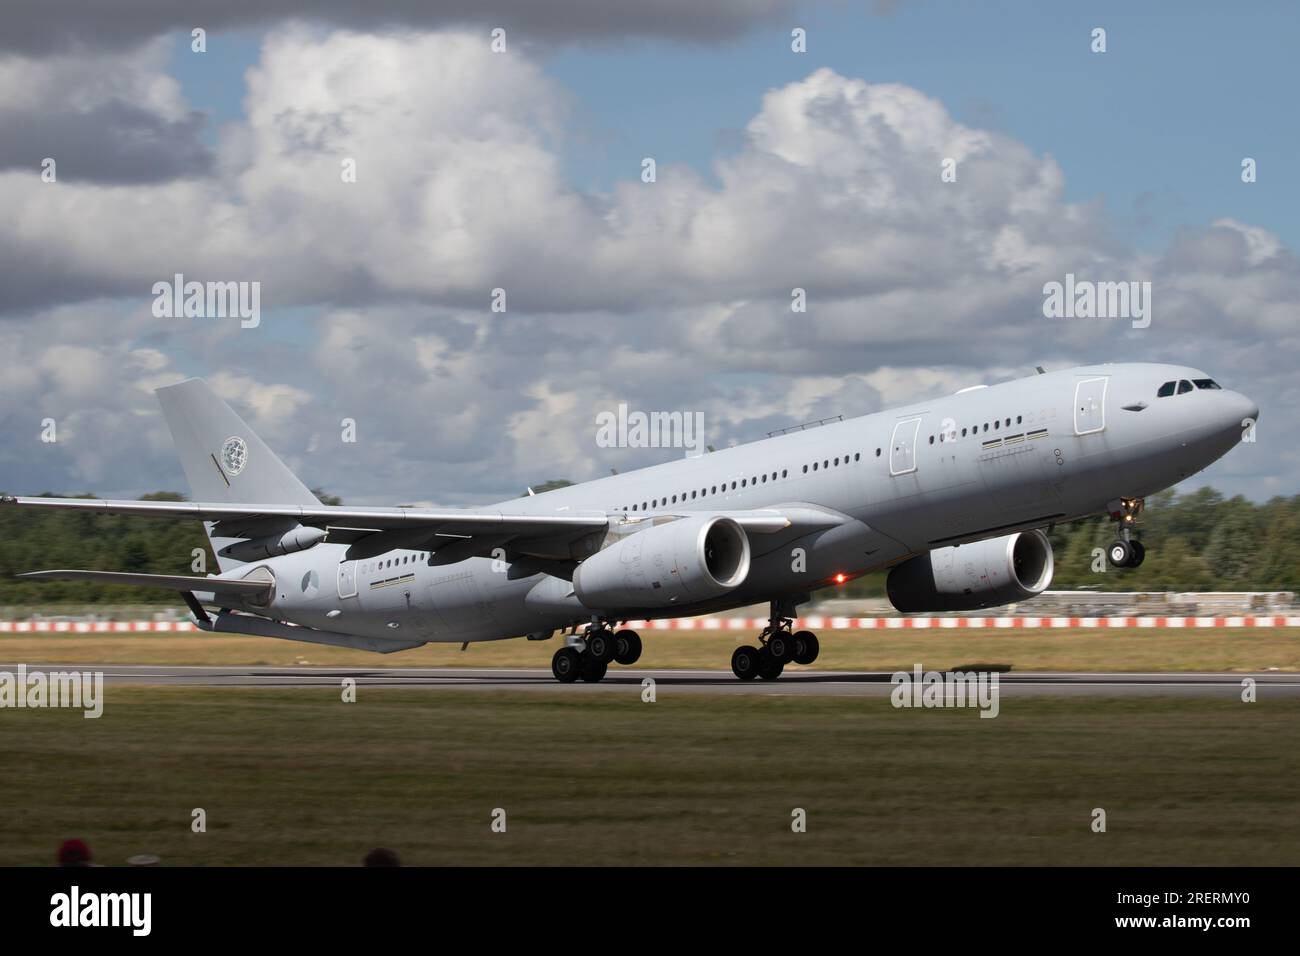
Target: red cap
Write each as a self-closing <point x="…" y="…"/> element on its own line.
<point x="74" y="852"/>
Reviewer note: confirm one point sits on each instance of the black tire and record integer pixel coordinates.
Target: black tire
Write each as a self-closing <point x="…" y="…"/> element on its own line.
<point x="600" y="645"/>
<point x="1120" y="553"/>
<point x="627" y="647"/>
<point x="806" y="647"/>
<point x="592" y="670"/>
<point x="1139" y="554"/>
<point x="769" y="668"/>
<point x="744" y="662"/>
<point x="781" y="646"/>
<point x="566" y="665"/>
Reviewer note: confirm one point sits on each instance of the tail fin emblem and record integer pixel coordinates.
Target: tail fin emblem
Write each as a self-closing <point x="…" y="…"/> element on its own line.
<point x="234" y="455"/>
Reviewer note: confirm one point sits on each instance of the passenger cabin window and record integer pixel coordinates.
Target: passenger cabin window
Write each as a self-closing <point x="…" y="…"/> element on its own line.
<point x="1184" y="386"/>
<point x="1165" y="390"/>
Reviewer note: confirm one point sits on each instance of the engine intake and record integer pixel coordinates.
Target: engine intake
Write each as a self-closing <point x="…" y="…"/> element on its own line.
<point x="680" y="562"/>
<point x="968" y="577"/>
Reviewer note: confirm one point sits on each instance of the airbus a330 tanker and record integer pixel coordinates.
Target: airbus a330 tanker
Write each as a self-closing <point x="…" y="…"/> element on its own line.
<point x="950" y="494"/>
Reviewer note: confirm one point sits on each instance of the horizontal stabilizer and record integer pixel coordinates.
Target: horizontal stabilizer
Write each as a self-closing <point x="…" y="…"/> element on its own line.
<point x="260" y="627"/>
<point x="172" y="582"/>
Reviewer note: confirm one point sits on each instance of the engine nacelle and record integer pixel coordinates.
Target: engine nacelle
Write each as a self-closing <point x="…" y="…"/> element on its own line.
<point x="679" y="562"/>
<point x="967" y="577"/>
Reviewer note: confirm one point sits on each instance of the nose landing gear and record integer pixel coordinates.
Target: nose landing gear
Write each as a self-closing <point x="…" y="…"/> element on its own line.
<point x="1124" y="551"/>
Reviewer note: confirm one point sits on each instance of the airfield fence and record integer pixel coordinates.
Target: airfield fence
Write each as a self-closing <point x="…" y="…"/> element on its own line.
<point x="1050" y="610"/>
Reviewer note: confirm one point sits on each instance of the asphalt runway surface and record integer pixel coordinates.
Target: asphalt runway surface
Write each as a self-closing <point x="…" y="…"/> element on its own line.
<point x="795" y="681"/>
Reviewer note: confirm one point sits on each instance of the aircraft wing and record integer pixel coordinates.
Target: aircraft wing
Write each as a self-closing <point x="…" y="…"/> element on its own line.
<point x="453" y="534"/>
<point x="449" y="521"/>
<point x="444" y="521"/>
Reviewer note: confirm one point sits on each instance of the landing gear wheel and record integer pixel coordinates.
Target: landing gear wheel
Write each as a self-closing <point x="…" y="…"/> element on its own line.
<point x="744" y="662"/>
<point x="566" y="664"/>
<point x="806" y="647"/>
<point x="592" y="670"/>
<point x="1139" y="554"/>
<point x="627" y="647"/>
<point x="1120" y="554"/>
<point x="769" y="668"/>
<point x="781" y="646"/>
<point x="600" y="645"/>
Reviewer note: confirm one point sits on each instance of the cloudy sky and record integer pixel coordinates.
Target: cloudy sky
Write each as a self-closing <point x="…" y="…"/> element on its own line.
<point x="522" y="170"/>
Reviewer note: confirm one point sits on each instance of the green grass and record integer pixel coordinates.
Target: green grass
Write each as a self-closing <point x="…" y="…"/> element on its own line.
<point x="296" y="776"/>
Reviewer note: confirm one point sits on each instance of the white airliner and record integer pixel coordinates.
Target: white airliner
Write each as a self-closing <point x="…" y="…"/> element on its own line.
<point x="951" y="494"/>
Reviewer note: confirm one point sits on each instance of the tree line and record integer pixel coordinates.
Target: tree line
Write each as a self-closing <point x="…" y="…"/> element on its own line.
<point x="1199" y="541"/>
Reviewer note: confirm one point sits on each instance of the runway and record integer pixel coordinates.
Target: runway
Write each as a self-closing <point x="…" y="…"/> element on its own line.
<point x="795" y="681"/>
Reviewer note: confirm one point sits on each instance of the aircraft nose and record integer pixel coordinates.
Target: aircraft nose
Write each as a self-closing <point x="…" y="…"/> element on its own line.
<point x="1240" y="413"/>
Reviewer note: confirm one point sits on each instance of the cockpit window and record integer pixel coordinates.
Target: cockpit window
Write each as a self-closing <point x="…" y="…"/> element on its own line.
<point x="1166" y="390"/>
<point x="1205" y="383"/>
<point x="1184" y="386"/>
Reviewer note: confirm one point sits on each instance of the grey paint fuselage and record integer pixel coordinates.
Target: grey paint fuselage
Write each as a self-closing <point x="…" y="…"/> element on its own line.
<point x="898" y="482"/>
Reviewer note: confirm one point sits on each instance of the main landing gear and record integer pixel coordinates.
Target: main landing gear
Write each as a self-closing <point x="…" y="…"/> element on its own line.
<point x="600" y="647"/>
<point x="779" y="645"/>
<point x="1124" y="551"/>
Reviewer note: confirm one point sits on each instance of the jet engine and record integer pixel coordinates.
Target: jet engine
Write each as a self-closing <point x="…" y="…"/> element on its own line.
<point x="967" y="577"/>
<point x="679" y="562"/>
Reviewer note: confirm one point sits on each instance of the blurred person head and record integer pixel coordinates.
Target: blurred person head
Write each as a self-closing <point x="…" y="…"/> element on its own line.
<point x="74" y="853"/>
<point x="382" y="856"/>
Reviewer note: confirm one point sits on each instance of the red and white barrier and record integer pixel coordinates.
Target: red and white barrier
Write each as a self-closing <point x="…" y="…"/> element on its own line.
<point x="753" y="624"/>
<point x="966" y="623"/>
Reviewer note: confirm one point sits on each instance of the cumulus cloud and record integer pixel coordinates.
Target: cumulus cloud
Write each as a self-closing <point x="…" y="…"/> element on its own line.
<point x="111" y="117"/>
<point x="673" y="295"/>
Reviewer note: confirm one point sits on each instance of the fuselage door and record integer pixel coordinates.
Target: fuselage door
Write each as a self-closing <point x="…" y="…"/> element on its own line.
<point x="902" y="447"/>
<point x="1090" y="405"/>
<point x="347" y="579"/>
